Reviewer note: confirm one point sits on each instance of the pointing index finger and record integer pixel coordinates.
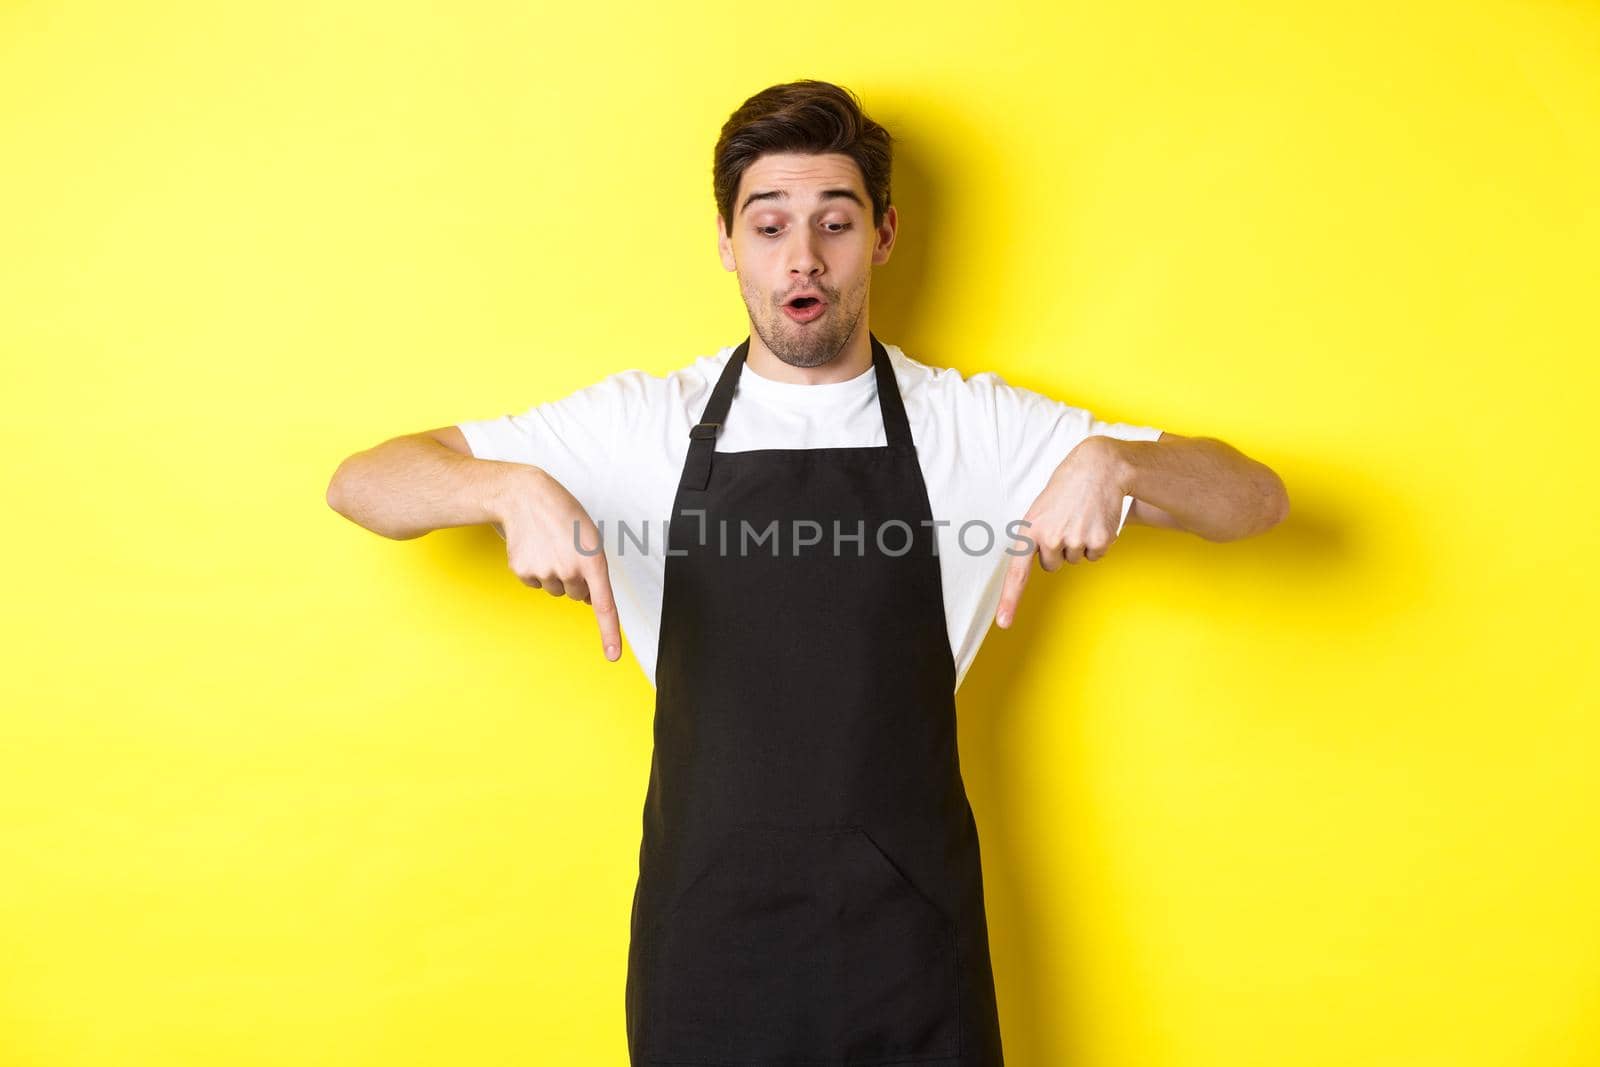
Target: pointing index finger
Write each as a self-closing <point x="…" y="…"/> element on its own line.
<point x="605" y="607"/>
<point x="1016" y="578"/>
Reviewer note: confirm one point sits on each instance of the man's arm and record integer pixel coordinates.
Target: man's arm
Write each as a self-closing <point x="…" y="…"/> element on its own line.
<point x="1198" y="484"/>
<point x="410" y="485"/>
<point x="413" y="484"/>
<point x="1147" y="514"/>
<point x="1201" y="485"/>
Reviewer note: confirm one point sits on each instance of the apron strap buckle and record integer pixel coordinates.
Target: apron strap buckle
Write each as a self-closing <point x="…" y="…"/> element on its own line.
<point x="697" y="467"/>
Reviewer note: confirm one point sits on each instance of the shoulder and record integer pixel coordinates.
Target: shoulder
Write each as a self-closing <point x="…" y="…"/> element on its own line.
<point x="635" y="392"/>
<point x="947" y="391"/>
<point x="985" y="394"/>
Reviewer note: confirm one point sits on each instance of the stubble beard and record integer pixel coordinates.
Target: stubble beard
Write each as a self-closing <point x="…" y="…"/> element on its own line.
<point x="810" y="344"/>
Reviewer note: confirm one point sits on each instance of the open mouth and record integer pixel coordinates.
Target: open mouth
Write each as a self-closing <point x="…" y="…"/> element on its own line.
<point x="805" y="308"/>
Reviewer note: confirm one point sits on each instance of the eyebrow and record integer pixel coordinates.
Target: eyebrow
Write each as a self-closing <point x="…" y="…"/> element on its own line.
<point x="782" y="194"/>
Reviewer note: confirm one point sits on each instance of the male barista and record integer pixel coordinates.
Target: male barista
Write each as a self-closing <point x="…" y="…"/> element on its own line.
<point x="805" y="536"/>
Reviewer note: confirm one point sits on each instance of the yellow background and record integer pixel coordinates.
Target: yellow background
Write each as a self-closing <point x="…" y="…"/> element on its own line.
<point x="276" y="790"/>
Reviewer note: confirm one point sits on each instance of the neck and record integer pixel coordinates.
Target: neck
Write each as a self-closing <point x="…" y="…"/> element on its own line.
<point x="853" y="359"/>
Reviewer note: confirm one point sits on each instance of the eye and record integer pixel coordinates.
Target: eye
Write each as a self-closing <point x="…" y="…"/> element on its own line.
<point x="842" y="226"/>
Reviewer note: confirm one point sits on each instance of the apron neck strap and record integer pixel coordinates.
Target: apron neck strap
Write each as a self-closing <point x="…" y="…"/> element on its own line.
<point x="703" y="435"/>
<point x="896" y="428"/>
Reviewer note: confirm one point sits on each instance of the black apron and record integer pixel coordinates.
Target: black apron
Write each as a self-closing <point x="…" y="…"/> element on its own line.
<point x="809" y="887"/>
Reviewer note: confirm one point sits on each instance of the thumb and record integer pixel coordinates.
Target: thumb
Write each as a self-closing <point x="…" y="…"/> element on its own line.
<point x="605" y="609"/>
<point x="1016" y="578"/>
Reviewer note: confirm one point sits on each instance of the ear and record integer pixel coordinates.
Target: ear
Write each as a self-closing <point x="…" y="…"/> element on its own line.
<point x="886" y="235"/>
<point x="725" y="245"/>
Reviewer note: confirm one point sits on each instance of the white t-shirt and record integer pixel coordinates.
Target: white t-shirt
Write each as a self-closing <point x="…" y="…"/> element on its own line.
<point x="986" y="450"/>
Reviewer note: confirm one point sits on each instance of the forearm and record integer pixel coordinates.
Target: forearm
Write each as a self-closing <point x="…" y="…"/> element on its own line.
<point x="408" y="486"/>
<point x="1211" y="488"/>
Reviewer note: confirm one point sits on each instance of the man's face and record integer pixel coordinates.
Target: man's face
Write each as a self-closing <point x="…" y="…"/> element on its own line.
<point x="803" y="224"/>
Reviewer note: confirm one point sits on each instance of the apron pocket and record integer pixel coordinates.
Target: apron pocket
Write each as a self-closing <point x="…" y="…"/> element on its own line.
<point x="802" y="946"/>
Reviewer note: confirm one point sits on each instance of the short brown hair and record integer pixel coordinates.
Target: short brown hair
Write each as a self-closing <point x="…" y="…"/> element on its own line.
<point x="802" y="116"/>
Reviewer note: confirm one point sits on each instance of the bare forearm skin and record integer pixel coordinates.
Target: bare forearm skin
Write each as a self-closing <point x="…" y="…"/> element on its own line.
<point x="411" y="485"/>
<point x="1211" y="488"/>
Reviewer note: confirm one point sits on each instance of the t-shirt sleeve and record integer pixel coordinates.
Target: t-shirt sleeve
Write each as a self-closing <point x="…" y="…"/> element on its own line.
<point x="573" y="438"/>
<point x="1035" y="433"/>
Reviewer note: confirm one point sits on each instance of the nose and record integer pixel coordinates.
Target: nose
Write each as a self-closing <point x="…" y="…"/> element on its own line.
<point x="805" y="260"/>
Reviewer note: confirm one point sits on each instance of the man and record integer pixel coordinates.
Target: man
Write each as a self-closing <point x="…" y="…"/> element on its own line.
<point x="834" y="526"/>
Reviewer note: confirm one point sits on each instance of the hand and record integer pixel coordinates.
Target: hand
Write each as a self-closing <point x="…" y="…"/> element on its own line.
<point x="537" y="517"/>
<point x="1074" y="518"/>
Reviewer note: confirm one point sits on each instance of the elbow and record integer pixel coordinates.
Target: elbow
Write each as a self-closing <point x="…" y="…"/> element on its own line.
<point x="336" y="491"/>
<point x="348" y="497"/>
<point x="1275" y="498"/>
<point x="342" y="492"/>
<point x="1263" y="505"/>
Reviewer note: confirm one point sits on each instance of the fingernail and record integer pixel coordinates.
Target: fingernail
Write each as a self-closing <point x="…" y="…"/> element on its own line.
<point x="1004" y="618"/>
<point x="611" y="652"/>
